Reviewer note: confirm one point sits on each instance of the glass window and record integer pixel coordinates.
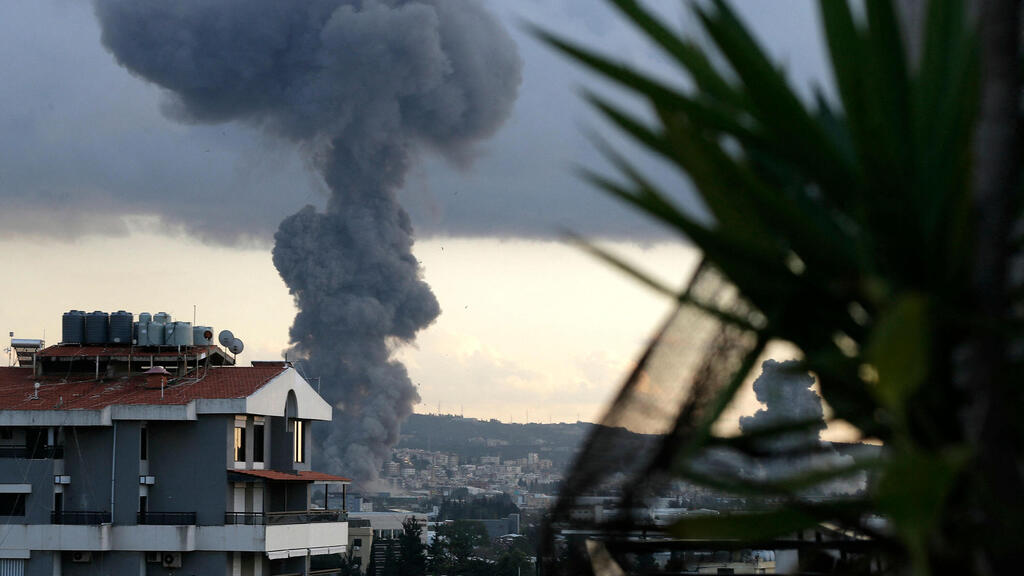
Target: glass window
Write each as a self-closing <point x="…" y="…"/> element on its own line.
<point x="257" y="442"/>
<point x="239" y="444"/>
<point x="300" y="445"/>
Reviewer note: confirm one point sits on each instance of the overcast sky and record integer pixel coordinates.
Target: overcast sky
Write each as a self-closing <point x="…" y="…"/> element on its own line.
<point x="107" y="202"/>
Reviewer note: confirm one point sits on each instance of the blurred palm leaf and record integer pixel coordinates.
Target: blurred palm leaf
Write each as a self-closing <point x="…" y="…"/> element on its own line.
<point x="839" y="226"/>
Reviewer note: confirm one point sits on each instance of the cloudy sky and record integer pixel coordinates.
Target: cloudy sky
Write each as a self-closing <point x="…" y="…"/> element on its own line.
<point x="109" y="201"/>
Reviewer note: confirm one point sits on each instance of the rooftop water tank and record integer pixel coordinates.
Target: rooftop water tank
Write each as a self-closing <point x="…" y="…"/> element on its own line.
<point x="121" y="327"/>
<point x="97" y="327"/>
<point x="169" y="329"/>
<point x="142" y="329"/>
<point x="162" y="317"/>
<point x="182" y="334"/>
<point x="202" y="335"/>
<point x="156" y="330"/>
<point x="73" y="327"/>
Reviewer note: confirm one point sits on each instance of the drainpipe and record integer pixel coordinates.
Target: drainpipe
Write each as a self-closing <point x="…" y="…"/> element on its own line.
<point x="113" y="468"/>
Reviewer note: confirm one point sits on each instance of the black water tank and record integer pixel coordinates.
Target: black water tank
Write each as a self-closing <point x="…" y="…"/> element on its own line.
<point x="73" y="327"/>
<point x="97" y="327"/>
<point x="121" y="327"/>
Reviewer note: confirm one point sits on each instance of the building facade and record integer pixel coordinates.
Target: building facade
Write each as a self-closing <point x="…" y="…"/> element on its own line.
<point x="126" y="460"/>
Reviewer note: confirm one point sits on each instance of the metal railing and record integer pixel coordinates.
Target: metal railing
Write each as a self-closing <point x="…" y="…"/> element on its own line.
<point x="167" y="518"/>
<point x="80" y="518"/>
<point x="32" y="453"/>
<point x="280" y="518"/>
<point x="244" y="518"/>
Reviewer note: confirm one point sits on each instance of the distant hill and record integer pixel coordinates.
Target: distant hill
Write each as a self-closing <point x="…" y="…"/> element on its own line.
<point x="472" y="438"/>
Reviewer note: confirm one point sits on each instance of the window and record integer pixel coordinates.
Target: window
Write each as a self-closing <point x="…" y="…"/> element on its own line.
<point x="143" y="443"/>
<point x="58" y="502"/>
<point x="257" y="441"/>
<point x="143" y="504"/>
<point x="300" y="445"/>
<point x="357" y="543"/>
<point x="6" y="434"/>
<point x="240" y="422"/>
<point x="12" y="504"/>
<point x="239" y="444"/>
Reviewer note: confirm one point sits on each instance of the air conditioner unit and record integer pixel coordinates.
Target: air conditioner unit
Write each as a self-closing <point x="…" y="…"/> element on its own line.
<point x="171" y="559"/>
<point x="81" y="557"/>
<point x="153" y="557"/>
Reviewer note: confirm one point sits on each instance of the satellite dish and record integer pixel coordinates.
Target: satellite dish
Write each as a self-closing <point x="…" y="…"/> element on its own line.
<point x="236" y="346"/>
<point x="225" y="338"/>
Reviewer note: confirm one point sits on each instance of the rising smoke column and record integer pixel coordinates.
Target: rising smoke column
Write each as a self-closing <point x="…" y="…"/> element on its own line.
<point x="360" y="85"/>
<point x="786" y="391"/>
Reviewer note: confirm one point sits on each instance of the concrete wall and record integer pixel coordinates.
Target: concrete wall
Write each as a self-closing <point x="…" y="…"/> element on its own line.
<point x="41" y="563"/>
<point x="87" y="456"/>
<point x="102" y="563"/>
<point x="281" y="457"/>
<point x="38" y="474"/>
<point x="190" y="462"/>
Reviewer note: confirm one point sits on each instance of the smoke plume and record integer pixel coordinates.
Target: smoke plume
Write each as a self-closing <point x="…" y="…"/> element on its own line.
<point x="360" y="85"/>
<point x="786" y="392"/>
<point x="788" y="398"/>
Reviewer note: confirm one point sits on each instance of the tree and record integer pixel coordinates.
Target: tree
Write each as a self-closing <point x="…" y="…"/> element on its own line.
<point x="453" y="547"/>
<point x="873" y="232"/>
<point x="412" y="558"/>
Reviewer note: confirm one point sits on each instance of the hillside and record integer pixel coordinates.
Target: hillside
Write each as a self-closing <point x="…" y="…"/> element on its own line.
<point x="472" y="438"/>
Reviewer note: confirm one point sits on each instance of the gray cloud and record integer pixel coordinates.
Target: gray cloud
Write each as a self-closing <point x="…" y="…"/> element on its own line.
<point x="84" y="135"/>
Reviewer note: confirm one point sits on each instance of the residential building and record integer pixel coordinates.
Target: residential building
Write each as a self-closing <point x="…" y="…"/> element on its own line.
<point x="121" y="459"/>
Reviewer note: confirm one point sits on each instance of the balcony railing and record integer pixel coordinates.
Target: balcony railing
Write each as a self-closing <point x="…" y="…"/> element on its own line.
<point x="32" y="452"/>
<point x="167" y="518"/>
<point x="279" y="518"/>
<point x="80" y="518"/>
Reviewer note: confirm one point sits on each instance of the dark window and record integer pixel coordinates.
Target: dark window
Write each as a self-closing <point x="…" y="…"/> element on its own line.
<point x="143" y="444"/>
<point x="143" y="504"/>
<point x="12" y="504"/>
<point x="257" y="442"/>
<point x="239" y="444"/>
<point x="357" y="542"/>
<point x="6" y="434"/>
<point x="58" y="502"/>
<point x="300" y="445"/>
<point x="35" y="440"/>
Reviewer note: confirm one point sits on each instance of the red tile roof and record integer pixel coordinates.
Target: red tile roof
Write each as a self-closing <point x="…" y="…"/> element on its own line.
<point x="79" y="392"/>
<point x="298" y="476"/>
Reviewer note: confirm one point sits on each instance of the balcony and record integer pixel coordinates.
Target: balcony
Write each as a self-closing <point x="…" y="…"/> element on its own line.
<point x="167" y="518"/>
<point x="37" y="452"/>
<point x="79" y="518"/>
<point x="283" y="518"/>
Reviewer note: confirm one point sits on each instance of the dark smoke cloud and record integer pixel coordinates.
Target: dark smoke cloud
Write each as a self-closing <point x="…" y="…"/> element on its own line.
<point x="786" y="391"/>
<point x="360" y="85"/>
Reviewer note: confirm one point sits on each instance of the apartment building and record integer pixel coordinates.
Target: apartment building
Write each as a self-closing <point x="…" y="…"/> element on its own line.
<point x="124" y="459"/>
